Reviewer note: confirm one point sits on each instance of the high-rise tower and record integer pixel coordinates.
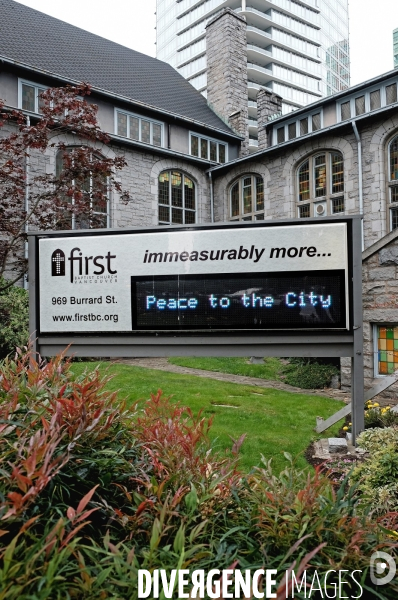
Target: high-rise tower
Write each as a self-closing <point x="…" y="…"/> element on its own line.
<point x="295" y="48"/>
<point x="395" y="47"/>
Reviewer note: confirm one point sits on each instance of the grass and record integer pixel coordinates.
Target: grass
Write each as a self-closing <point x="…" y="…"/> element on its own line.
<point x="270" y="369"/>
<point x="274" y="421"/>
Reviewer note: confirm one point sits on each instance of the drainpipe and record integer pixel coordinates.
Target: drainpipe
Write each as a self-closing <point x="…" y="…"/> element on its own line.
<point x="27" y="168"/>
<point x="211" y="199"/>
<point x="359" y="143"/>
<point x="243" y="5"/>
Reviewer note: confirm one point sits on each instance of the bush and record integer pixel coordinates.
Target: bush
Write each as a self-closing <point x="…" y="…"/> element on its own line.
<point x="309" y="374"/>
<point x="372" y="440"/>
<point x="377" y="476"/>
<point x="92" y="490"/>
<point x="377" y="417"/>
<point x="14" y="319"/>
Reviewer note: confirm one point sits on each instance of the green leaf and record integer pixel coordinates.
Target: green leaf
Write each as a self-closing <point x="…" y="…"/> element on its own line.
<point x="179" y="539"/>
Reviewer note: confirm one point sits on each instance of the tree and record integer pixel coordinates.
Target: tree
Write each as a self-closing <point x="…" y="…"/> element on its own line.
<point x="34" y="197"/>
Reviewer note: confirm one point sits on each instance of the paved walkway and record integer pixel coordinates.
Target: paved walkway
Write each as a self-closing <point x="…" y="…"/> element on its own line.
<point x="162" y="364"/>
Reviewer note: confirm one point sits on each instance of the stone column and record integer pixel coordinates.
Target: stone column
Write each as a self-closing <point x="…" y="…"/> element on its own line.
<point x="268" y="105"/>
<point x="226" y="50"/>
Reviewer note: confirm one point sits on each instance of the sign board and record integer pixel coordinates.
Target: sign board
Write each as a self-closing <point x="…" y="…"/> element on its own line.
<point x="266" y="288"/>
<point x="216" y="279"/>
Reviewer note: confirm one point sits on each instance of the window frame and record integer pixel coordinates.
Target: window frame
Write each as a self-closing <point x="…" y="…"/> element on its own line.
<point x="297" y="120"/>
<point x="391" y="184"/>
<point x="170" y="205"/>
<point x="375" y="332"/>
<point x="251" y="215"/>
<point x="365" y="92"/>
<point x="37" y="87"/>
<point x="140" y="118"/>
<point x="326" y="199"/>
<point x="209" y="139"/>
<point x="108" y="195"/>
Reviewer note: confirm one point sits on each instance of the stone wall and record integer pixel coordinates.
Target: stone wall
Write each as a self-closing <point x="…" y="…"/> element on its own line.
<point x="278" y="166"/>
<point x="227" y="71"/>
<point x="268" y="105"/>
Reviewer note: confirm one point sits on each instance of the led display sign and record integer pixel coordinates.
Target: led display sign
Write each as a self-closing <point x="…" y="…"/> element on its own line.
<point x="244" y="301"/>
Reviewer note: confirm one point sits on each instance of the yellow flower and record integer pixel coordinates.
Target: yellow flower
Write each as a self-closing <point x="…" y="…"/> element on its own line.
<point x="376" y="404"/>
<point x="349" y="423"/>
<point x="345" y="428"/>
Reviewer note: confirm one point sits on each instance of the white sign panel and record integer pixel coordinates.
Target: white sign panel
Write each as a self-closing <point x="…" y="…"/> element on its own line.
<point x="116" y="283"/>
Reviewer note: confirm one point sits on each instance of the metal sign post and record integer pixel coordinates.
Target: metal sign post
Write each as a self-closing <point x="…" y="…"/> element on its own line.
<point x="280" y="288"/>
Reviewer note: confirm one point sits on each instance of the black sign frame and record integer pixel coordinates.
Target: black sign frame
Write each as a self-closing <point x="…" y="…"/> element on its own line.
<point x="321" y="343"/>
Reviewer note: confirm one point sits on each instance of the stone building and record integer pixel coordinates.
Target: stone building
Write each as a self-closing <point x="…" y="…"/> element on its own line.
<point x="187" y="158"/>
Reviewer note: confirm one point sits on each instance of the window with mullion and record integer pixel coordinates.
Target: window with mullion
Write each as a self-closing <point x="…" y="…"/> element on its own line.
<point x="393" y="181"/>
<point x="95" y="189"/>
<point x="176" y="198"/>
<point x="247" y="199"/>
<point x="386" y="349"/>
<point x="208" y="148"/>
<point x="30" y="97"/>
<point x="138" y="128"/>
<point x="320" y="180"/>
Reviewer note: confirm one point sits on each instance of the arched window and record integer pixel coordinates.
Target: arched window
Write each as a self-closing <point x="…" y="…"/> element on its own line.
<point x="91" y="193"/>
<point x="320" y="184"/>
<point x="177" y="198"/>
<point x="247" y="199"/>
<point x="393" y="181"/>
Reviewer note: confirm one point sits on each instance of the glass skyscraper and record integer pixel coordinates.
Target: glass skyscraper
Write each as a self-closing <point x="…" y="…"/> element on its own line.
<point x="395" y="47"/>
<point x="296" y="48"/>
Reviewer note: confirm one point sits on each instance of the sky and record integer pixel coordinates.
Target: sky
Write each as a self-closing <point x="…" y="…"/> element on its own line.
<point x="132" y="23"/>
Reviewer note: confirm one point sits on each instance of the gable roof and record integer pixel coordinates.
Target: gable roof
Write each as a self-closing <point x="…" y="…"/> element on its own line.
<point x="44" y="43"/>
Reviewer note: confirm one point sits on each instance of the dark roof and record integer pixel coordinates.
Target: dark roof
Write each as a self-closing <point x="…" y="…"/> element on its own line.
<point x="44" y="43"/>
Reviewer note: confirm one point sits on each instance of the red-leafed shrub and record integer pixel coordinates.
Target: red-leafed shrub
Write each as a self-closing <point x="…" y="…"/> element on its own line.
<point x="92" y="490"/>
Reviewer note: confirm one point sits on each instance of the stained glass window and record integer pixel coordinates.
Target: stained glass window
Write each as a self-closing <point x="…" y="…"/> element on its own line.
<point x="337" y="173"/>
<point x="394" y="159"/>
<point x="96" y="192"/>
<point x="304" y="211"/>
<point x="122" y="124"/>
<point x="145" y="132"/>
<point x="316" y="122"/>
<point x="136" y="128"/>
<point x="31" y="97"/>
<point x="157" y="134"/>
<point x="338" y="204"/>
<point x="259" y="193"/>
<point x="28" y="97"/>
<point x="393" y="181"/>
<point x="321" y="176"/>
<point x="387" y="346"/>
<point x="203" y="148"/>
<point x="176" y="199"/>
<point x="247" y="198"/>
<point x="375" y="100"/>
<point x="360" y="105"/>
<point x="304" y="126"/>
<point x="207" y="149"/>
<point x="304" y="181"/>
<point x="213" y="151"/>
<point x="235" y="200"/>
<point x="194" y="145"/>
